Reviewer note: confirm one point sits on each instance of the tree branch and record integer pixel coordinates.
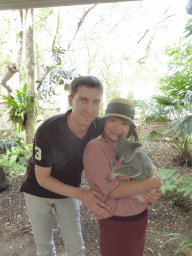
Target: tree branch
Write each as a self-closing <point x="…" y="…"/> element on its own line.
<point x="47" y="69"/>
<point x="166" y="18"/>
<point x="56" y="31"/>
<point x="143" y="36"/>
<point x="154" y="26"/>
<point x="80" y="24"/>
<point x="14" y="67"/>
<point x="148" y="49"/>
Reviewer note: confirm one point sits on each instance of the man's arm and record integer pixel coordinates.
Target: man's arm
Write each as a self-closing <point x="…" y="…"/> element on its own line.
<point x="152" y="196"/>
<point x="88" y="198"/>
<point x="130" y="188"/>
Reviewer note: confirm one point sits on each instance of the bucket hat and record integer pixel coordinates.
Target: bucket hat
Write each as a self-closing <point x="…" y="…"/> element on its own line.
<point x="121" y="108"/>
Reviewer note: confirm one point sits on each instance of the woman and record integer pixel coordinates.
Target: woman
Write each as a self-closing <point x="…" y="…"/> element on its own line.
<point x="123" y="233"/>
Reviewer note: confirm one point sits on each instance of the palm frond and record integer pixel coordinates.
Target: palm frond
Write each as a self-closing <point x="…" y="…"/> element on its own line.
<point x="166" y="100"/>
<point x="182" y="126"/>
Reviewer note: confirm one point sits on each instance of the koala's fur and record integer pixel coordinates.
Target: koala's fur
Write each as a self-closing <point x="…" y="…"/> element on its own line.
<point x="137" y="164"/>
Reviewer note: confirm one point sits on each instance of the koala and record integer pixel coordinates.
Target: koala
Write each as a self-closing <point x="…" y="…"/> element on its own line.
<point x="137" y="164"/>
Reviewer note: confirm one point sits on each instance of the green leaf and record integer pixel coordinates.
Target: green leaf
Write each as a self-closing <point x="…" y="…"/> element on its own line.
<point x="189" y="191"/>
<point x="165" y="173"/>
<point x="181" y="189"/>
<point x="13" y="158"/>
<point x="25" y="88"/>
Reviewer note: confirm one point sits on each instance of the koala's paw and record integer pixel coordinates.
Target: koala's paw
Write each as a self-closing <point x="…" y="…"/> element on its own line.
<point x="113" y="167"/>
<point x="110" y="177"/>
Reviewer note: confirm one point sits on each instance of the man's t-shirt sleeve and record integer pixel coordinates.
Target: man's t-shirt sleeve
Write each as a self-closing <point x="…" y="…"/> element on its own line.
<point x="42" y="152"/>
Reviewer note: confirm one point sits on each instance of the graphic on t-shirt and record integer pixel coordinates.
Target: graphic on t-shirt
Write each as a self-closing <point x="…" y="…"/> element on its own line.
<point x="37" y="153"/>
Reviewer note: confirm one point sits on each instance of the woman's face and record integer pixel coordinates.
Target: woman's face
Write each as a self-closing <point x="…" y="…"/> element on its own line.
<point x="114" y="127"/>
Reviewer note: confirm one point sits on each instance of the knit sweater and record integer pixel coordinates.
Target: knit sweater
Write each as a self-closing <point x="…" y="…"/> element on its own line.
<point x="98" y="157"/>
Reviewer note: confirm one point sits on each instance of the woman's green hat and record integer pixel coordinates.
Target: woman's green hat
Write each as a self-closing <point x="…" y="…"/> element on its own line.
<point x="122" y="109"/>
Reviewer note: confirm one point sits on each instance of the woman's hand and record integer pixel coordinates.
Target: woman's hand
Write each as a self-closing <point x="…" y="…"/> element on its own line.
<point x="90" y="200"/>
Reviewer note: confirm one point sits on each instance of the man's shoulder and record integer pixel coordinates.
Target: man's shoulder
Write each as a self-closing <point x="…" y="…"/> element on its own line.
<point x="97" y="126"/>
<point x="52" y="120"/>
<point x="96" y="142"/>
<point x="51" y="124"/>
<point x="98" y="120"/>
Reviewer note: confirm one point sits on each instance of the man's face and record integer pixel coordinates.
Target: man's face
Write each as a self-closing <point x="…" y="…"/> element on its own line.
<point x="85" y="105"/>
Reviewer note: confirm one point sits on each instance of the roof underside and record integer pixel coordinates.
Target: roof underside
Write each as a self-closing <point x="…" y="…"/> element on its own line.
<point x="30" y="4"/>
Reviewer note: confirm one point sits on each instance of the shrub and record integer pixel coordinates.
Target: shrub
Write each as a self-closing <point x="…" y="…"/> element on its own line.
<point x="179" y="186"/>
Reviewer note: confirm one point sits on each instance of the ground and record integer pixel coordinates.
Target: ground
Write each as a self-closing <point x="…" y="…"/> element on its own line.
<point x="16" y="236"/>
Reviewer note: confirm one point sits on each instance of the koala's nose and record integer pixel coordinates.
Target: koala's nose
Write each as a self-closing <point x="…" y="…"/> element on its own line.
<point x="117" y="155"/>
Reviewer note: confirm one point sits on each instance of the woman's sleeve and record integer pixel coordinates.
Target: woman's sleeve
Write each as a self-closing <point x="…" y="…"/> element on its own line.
<point x="97" y="167"/>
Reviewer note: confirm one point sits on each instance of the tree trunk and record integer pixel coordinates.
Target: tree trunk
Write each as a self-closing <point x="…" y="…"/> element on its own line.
<point x="4" y="183"/>
<point x="30" y="71"/>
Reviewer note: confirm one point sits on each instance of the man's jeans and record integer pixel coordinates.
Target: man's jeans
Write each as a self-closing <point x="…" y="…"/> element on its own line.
<point x="67" y="213"/>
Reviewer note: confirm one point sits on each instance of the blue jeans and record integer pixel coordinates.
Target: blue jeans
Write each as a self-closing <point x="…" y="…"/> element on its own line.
<point x="67" y="211"/>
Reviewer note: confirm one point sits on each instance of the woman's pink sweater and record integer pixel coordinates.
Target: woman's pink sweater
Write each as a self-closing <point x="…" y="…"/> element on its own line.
<point x="98" y="157"/>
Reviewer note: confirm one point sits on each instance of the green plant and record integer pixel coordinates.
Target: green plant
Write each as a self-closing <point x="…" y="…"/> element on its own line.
<point x="184" y="244"/>
<point x="19" y="107"/>
<point x="181" y="131"/>
<point x="11" y="167"/>
<point x="151" y="111"/>
<point x="185" y="185"/>
<point x="56" y="77"/>
<point x="168" y="178"/>
<point x="6" y="144"/>
<point x="177" y="94"/>
<point x="177" y="137"/>
<point x="14" y="161"/>
<point x="172" y="181"/>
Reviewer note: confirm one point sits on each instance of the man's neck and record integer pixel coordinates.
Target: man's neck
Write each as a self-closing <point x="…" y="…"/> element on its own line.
<point x="75" y="127"/>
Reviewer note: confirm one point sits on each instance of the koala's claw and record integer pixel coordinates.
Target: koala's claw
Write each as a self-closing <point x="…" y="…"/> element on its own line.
<point x="112" y="165"/>
<point x="110" y="177"/>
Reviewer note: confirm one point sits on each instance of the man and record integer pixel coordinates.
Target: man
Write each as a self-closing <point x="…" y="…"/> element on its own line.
<point x="54" y="170"/>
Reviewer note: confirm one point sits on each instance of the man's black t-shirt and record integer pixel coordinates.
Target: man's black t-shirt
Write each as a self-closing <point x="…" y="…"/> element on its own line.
<point x="56" y="146"/>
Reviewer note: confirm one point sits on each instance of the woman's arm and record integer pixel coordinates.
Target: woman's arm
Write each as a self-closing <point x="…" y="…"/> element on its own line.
<point x="130" y="188"/>
<point x="97" y="168"/>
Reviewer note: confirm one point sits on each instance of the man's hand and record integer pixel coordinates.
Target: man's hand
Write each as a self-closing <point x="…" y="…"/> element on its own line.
<point x="156" y="180"/>
<point x="91" y="201"/>
<point x="152" y="196"/>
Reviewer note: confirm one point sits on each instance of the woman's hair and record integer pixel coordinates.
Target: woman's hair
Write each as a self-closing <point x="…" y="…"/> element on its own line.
<point x="89" y="81"/>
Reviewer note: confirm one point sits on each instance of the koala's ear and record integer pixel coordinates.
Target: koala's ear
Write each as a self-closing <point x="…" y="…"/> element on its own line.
<point x="136" y="146"/>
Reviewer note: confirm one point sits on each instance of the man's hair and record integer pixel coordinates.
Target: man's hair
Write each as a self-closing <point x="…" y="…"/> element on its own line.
<point x="89" y="81"/>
